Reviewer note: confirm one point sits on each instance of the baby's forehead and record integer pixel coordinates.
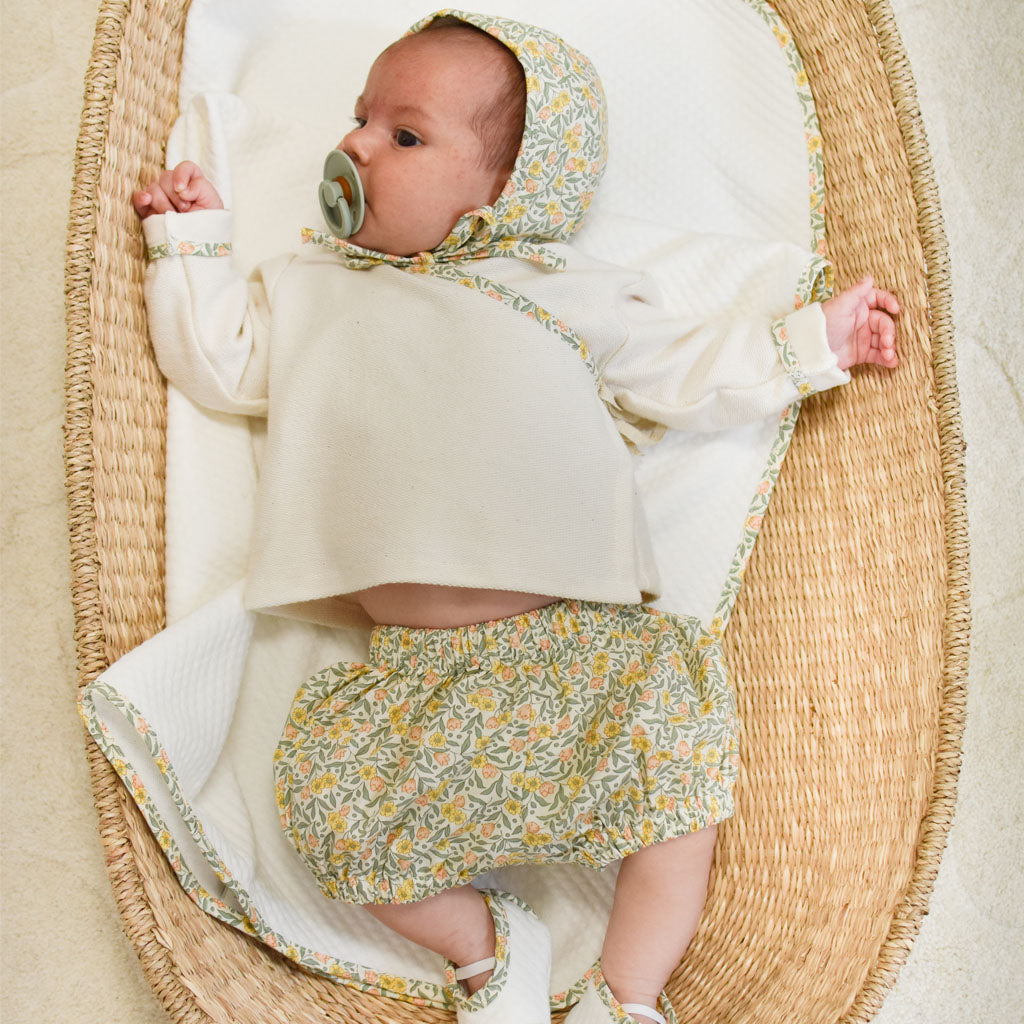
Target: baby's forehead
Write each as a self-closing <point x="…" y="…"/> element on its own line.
<point x="427" y="70"/>
<point x="448" y="50"/>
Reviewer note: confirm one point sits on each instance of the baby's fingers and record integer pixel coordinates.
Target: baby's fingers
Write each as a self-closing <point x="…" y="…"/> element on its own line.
<point x="883" y="333"/>
<point x="141" y="200"/>
<point x="887" y="301"/>
<point x="185" y="180"/>
<point x="152" y="199"/>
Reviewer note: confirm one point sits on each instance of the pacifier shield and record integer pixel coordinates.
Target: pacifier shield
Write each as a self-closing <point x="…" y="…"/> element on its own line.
<point x="341" y="195"/>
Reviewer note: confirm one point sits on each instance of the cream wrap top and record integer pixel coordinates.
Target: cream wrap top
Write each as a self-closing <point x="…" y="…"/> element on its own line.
<point x="420" y="431"/>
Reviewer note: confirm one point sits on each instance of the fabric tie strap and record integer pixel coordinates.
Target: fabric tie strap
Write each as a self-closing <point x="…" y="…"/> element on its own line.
<point x="487" y="964"/>
<point x="634" y="1008"/>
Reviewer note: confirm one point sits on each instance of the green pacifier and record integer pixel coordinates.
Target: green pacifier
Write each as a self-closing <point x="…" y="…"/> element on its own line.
<point x="341" y="195"/>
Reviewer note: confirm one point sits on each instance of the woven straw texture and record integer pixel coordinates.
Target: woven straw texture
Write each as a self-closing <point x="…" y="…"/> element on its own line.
<point x="848" y="644"/>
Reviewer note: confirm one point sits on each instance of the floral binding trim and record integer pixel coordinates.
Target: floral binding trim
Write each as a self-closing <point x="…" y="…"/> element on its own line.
<point x="414" y="990"/>
<point x="815" y="285"/>
<point x="183" y="248"/>
<point x="614" y="1007"/>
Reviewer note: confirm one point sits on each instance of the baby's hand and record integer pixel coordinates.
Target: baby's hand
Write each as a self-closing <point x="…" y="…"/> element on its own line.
<point x="181" y="189"/>
<point x="859" y="325"/>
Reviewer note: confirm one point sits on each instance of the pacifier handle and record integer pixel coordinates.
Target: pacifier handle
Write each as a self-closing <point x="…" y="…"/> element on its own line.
<point x="341" y="195"/>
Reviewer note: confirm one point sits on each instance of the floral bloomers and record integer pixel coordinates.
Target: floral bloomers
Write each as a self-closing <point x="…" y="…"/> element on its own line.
<point x="578" y="732"/>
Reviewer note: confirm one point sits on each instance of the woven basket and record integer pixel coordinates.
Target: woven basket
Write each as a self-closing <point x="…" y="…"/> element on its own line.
<point x="848" y="643"/>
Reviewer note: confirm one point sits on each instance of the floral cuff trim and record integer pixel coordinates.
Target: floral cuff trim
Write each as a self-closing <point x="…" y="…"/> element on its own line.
<point x="788" y="358"/>
<point x="183" y="248"/>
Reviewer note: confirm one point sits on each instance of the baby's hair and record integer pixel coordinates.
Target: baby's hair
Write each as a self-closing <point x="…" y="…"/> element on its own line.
<point x="499" y="124"/>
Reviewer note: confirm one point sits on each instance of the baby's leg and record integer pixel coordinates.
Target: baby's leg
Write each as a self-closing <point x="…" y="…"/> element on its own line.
<point x="659" y="896"/>
<point x="455" y="923"/>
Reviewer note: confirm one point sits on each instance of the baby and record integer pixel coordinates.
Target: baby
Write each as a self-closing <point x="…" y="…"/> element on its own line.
<point x="449" y="460"/>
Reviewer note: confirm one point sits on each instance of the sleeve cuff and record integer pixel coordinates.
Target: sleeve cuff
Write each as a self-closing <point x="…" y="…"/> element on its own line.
<point x="802" y="347"/>
<point x="200" y="233"/>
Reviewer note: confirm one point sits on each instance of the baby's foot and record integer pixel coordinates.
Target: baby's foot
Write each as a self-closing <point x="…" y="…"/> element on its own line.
<point x="514" y="984"/>
<point x="598" y="1005"/>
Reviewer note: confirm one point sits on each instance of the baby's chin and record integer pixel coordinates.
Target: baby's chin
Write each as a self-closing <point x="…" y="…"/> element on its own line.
<point x="370" y="236"/>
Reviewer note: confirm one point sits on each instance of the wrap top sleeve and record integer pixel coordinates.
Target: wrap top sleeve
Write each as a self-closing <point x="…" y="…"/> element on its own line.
<point x="209" y="325"/>
<point x="698" y="374"/>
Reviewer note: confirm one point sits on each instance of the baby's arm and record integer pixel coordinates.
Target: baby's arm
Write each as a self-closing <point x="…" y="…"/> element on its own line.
<point x="689" y="374"/>
<point x="209" y="325"/>
<point x="859" y="325"/>
<point x="182" y="189"/>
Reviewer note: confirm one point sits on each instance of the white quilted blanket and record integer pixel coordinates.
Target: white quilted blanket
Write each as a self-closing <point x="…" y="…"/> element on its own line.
<point x="712" y="142"/>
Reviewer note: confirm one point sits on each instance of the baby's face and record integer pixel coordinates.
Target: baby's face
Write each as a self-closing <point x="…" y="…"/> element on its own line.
<point x="414" y="146"/>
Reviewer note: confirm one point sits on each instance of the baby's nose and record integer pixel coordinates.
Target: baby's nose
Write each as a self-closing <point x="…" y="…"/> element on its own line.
<point x="355" y="145"/>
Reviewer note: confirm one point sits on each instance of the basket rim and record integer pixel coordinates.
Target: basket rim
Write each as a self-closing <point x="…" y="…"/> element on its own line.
<point x="908" y="916"/>
<point x="112" y="805"/>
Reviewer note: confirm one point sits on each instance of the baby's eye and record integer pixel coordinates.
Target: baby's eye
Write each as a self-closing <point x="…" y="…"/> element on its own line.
<point x="360" y="122"/>
<point x="406" y="138"/>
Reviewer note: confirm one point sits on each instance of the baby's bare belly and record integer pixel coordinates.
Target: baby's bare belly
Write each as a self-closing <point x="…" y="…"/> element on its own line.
<point x="426" y="605"/>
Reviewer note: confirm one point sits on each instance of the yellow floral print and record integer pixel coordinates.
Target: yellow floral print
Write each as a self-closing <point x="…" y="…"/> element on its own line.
<point x="586" y="710"/>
